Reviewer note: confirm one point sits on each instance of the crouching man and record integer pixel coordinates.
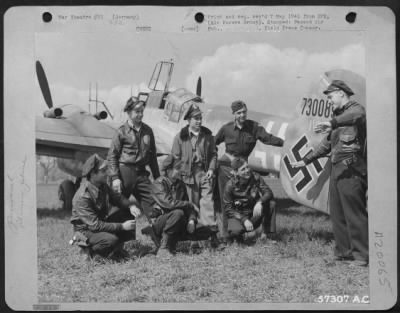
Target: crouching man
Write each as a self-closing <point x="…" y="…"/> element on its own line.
<point x="173" y="215"/>
<point x="248" y="203"/>
<point x="102" y="218"/>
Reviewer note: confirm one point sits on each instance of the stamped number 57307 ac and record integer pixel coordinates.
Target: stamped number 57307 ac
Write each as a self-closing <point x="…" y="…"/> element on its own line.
<point x="342" y="299"/>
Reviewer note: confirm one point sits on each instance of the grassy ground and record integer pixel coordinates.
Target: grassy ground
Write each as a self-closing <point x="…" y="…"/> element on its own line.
<point x="299" y="268"/>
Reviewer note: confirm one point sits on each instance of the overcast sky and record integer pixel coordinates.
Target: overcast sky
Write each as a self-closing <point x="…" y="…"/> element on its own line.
<point x="269" y="71"/>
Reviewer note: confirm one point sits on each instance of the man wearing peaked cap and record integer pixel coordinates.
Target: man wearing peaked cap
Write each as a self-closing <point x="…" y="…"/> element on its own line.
<point x="346" y="143"/>
<point x="192" y="111"/>
<point x="238" y="105"/>
<point x="132" y="149"/>
<point x="339" y="85"/>
<point x="240" y="137"/>
<point x="194" y="146"/>
<point x="133" y="103"/>
<point x="94" y="162"/>
<point x="105" y="218"/>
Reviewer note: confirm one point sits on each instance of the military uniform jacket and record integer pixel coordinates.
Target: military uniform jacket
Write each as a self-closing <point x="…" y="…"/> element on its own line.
<point x="169" y="196"/>
<point x="182" y="150"/>
<point x="239" y="198"/>
<point x="91" y="207"/>
<point x="346" y="142"/>
<point x="241" y="142"/>
<point x="133" y="148"/>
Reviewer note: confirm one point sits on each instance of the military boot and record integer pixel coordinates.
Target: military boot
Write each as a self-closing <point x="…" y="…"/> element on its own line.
<point x="164" y="250"/>
<point x="149" y="231"/>
<point x="269" y="219"/>
<point x="173" y="241"/>
<point x="266" y="237"/>
<point x="118" y="253"/>
<point x="215" y="243"/>
<point x="250" y="236"/>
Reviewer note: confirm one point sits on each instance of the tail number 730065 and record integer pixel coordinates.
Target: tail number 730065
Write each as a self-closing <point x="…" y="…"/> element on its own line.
<point x="296" y="153"/>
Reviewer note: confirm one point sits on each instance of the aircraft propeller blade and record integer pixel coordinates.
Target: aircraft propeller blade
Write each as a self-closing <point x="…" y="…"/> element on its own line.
<point x="198" y="87"/>
<point x="44" y="85"/>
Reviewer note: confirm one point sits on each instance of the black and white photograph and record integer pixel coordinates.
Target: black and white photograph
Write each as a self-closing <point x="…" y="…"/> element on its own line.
<point x="216" y="160"/>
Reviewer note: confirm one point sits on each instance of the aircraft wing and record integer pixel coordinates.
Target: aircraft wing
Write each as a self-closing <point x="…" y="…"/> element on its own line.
<point x="65" y="138"/>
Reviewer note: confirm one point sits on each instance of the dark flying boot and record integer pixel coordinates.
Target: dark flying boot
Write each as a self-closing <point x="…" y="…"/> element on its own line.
<point x="149" y="231"/>
<point x="164" y="249"/>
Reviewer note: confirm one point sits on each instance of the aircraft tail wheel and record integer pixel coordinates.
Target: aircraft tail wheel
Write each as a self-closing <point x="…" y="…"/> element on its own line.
<point x="66" y="192"/>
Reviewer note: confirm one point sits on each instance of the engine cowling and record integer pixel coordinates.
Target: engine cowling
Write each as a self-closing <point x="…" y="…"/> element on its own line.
<point x="102" y="115"/>
<point x="53" y="113"/>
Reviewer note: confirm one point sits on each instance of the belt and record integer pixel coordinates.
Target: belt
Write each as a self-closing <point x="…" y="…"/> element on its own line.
<point x="226" y="159"/>
<point x="135" y="167"/>
<point x="346" y="161"/>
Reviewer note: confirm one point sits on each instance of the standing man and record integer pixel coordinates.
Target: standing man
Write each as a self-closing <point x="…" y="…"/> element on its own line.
<point x="248" y="202"/>
<point x="173" y="212"/>
<point x="194" y="145"/>
<point x="132" y="148"/>
<point x="240" y="137"/>
<point x="346" y="143"/>
<point x="103" y="226"/>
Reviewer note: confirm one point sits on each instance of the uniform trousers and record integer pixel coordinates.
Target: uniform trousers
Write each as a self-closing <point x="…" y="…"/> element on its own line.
<point x="137" y="183"/>
<point x="267" y="220"/>
<point x="172" y="223"/>
<point x="200" y="192"/>
<point x="103" y="243"/>
<point x="223" y="178"/>
<point x="349" y="216"/>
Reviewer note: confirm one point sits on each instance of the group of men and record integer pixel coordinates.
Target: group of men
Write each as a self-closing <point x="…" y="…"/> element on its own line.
<point x="182" y="202"/>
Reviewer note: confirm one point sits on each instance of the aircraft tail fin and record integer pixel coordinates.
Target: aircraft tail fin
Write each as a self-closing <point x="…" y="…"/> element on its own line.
<point x="309" y="185"/>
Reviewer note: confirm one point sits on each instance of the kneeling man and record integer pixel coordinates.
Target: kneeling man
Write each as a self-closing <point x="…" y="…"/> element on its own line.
<point x="172" y="214"/>
<point x="248" y="202"/>
<point x="104" y="218"/>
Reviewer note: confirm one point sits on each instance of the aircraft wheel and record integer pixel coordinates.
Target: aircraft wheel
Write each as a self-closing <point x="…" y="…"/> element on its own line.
<point x="66" y="192"/>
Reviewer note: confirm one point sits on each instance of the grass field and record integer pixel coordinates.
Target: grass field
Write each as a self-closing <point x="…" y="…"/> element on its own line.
<point x="298" y="268"/>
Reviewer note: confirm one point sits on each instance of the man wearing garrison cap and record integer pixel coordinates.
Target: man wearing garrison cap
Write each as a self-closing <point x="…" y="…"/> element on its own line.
<point x="346" y="143"/>
<point x="248" y="202"/>
<point x="104" y="218"/>
<point x="194" y="146"/>
<point x="240" y="137"/>
<point x="132" y="149"/>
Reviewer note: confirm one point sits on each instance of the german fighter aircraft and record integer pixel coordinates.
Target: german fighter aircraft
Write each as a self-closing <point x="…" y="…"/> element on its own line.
<point x="71" y="134"/>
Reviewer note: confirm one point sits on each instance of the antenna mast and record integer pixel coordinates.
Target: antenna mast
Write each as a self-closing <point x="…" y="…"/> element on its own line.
<point x="96" y="97"/>
<point x="96" y="100"/>
<point x="90" y="89"/>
